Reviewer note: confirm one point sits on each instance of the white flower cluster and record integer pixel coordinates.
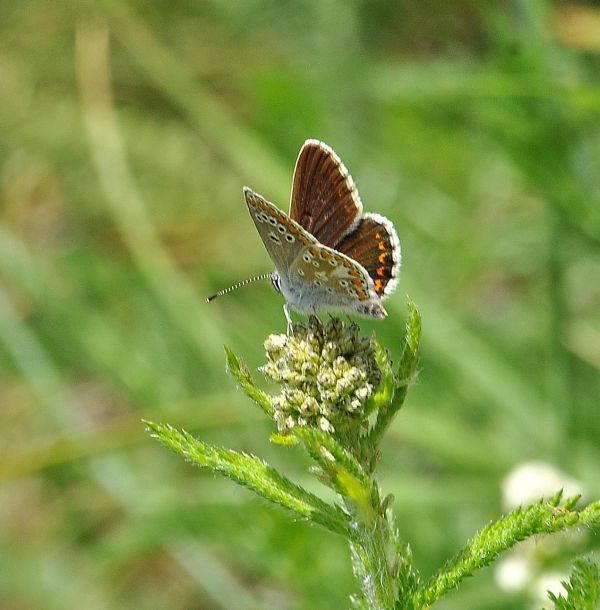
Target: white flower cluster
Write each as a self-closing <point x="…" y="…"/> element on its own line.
<point x="327" y="373"/>
<point x="523" y="568"/>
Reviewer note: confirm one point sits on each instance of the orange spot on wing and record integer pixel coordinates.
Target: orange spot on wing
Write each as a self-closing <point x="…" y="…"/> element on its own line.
<point x="381" y="257"/>
<point x="357" y="282"/>
<point x="378" y="286"/>
<point x="380" y="271"/>
<point x="381" y="245"/>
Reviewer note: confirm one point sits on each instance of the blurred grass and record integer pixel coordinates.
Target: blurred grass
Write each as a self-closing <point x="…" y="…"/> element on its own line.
<point x="127" y="132"/>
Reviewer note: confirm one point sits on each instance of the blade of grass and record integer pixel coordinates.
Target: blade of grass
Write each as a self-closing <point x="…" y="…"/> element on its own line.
<point x="185" y="306"/>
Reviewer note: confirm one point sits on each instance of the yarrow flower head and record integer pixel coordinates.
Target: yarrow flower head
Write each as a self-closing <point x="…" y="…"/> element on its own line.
<point x="327" y="374"/>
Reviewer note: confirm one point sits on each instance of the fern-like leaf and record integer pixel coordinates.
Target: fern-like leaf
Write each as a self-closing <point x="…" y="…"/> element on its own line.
<point x="339" y="469"/>
<point x="543" y="517"/>
<point x="582" y="589"/>
<point x="239" y="371"/>
<point x="254" y="473"/>
<point x="407" y="373"/>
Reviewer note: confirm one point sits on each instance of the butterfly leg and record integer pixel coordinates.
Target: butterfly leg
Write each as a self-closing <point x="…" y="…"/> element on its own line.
<point x="288" y="317"/>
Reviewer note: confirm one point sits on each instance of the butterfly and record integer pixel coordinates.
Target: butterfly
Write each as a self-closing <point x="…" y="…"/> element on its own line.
<point x="328" y="254"/>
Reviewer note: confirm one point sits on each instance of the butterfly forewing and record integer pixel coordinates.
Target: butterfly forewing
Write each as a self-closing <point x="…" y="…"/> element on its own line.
<point x="324" y="199"/>
<point x="283" y="238"/>
<point x="375" y="245"/>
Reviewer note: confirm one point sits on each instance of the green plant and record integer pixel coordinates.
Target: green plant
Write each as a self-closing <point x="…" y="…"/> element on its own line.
<point x="582" y="590"/>
<point x="339" y="393"/>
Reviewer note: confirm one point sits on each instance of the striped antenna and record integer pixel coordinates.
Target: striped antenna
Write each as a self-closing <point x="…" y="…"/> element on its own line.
<point x="262" y="276"/>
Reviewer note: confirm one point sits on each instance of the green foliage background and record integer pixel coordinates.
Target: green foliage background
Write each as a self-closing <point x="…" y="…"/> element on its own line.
<point x="127" y="130"/>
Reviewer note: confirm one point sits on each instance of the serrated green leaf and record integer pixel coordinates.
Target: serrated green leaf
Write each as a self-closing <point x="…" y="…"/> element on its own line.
<point x="582" y="589"/>
<point x="285" y="440"/>
<point x="239" y="371"/>
<point x="317" y="441"/>
<point x="384" y="392"/>
<point x="407" y="371"/>
<point x="252" y="472"/>
<point x="342" y="470"/>
<point x="543" y="517"/>
<point x="412" y="338"/>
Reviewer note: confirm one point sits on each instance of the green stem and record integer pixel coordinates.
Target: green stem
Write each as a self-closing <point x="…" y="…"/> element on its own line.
<point x="374" y="557"/>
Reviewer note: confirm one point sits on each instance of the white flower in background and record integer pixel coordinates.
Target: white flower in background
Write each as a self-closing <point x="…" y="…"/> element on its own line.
<point x="522" y="569"/>
<point x="531" y="481"/>
<point x="514" y="572"/>
<point x="549" y="581"/>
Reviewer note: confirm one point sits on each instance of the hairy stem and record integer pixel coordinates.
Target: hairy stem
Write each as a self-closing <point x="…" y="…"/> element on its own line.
<point x="375" y="557"/>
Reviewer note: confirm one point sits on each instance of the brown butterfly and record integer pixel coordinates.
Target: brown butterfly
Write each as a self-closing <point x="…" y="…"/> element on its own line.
<point x="328" y="255"/>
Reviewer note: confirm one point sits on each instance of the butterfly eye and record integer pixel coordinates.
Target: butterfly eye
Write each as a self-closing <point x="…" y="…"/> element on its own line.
<point x="329" y="289"/>
<point x="301" y="272"/>
<point x="316" y="264"/>
<point x="306" y="257"/>
<point x="290" y="238"/>
<point x="281" y="229"/>
<point x="343" y="283"/>
<point x="333" y="262"/>
<point x="272" y="220"/>
<point x="317" y="282"/>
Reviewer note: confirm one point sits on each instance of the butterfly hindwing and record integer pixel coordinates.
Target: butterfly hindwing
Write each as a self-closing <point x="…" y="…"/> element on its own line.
<point x="324" y="199"/>
<point x="329" y="279"/>
<point x="375" y="245"/>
